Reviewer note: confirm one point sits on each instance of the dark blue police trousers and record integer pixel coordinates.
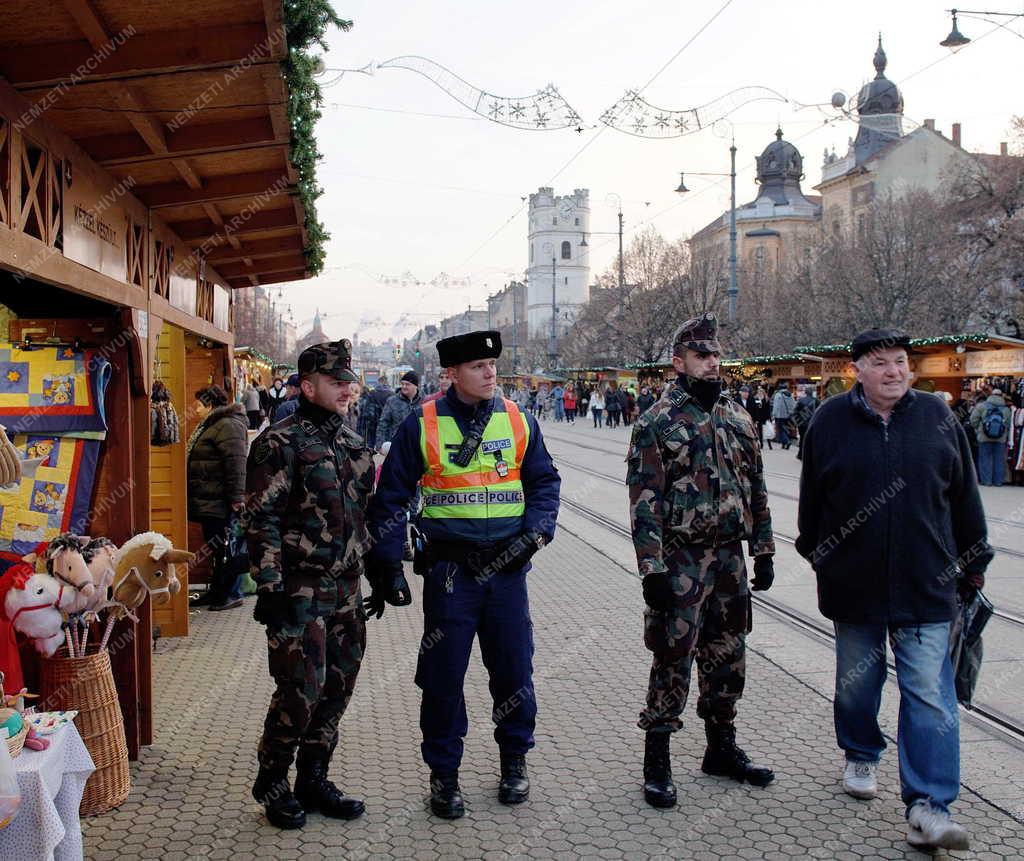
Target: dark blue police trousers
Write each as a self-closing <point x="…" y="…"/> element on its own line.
<point x="457" y="606"/>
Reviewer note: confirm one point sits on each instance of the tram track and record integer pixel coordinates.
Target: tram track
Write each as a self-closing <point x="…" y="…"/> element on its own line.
<point x="1008" y="551"/>
<point x="992" y="719"/>
<point x="1007" y="616"/>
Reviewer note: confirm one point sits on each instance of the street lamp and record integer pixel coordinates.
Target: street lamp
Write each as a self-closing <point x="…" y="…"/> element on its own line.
<point x="682" y="189"/>
<point x="956" y="40"/>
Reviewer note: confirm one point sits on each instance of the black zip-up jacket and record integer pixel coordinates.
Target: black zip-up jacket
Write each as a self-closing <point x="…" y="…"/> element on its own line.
<point x="890" y="512"/>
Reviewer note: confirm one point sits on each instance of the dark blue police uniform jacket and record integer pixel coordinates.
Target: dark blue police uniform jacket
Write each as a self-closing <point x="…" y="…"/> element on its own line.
<point x="459" y="605"/>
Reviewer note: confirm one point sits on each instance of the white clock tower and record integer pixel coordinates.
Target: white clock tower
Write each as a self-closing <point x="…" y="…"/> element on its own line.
<point x="557" y="227"/>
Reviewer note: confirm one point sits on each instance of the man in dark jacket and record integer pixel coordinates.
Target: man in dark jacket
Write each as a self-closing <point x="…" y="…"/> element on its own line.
<point x="806" y="404"/>
<point x="215" y="465"/>
<point x="645" y="401"/>
<point x="398" y="406"/>
<point x="371" y="405"/>
<point x="891" y="520"/>
<point x="291" y="402"/>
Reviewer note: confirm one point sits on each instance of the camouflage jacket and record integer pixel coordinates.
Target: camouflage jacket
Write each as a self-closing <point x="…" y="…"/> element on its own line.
<point x="695" y="478"/>
<point x="308" y="488"/>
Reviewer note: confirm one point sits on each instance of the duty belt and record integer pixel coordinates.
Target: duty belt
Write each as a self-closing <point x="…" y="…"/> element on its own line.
<point x="458" y="552"/>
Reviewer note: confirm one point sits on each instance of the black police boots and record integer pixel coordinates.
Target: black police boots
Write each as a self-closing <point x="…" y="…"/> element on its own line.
<point x="659" y="790"/>
<point x="515" y="783"/>
<point x="316" y="792"/>
<point x="445" y="795"/>
<point x="273" y="791"/>
<point x="724" y="759"/>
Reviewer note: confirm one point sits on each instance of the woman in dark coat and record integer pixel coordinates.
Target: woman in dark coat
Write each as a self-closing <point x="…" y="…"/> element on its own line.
<point x="216" y="486"/>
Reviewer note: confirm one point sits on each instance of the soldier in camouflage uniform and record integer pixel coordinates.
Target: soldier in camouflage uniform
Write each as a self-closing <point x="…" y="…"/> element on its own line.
<point x="696" y="490"/>
<point x="309" y="482"/>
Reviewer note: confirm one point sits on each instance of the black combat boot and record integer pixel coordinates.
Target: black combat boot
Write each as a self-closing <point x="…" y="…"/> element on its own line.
<point x="659" y="790"/>
<point x="445" y="795"/>
<point x="272" y="790"/>
<point x="316" y="792"/>
<point x="724" y="759"/>
<point x="515" y="783"/>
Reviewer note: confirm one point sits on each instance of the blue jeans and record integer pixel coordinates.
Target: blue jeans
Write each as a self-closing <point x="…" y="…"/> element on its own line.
<point x="929" y="722"/>
<point x="458" y="607"/>
<point x="991" y="463"/>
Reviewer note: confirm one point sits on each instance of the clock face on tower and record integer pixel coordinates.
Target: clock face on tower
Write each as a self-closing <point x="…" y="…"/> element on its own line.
<point x="566" y="209"/>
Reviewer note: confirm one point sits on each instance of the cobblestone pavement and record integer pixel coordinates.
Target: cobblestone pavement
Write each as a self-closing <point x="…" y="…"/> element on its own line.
<point x="190" y="796"/>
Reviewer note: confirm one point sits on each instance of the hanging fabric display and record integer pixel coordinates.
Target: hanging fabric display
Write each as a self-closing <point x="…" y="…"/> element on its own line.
<point x="51" y="401"/>
<point x="163" y="424"/>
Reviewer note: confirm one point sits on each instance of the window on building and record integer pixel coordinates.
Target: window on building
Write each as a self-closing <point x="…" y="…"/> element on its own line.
<point x="566" y="251"/>
<point x="577" y="222"/>
<point x="861" y="227"/>
<point x="531" y="252"/>
<point x="554" y="220"/>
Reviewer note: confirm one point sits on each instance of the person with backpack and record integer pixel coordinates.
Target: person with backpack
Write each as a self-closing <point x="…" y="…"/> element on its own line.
<point x="991" y="423"/>
<point x="805" y="406"/>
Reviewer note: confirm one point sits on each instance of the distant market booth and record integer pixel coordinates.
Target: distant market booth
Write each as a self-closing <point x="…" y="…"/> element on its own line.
<point x="153" y="157"/>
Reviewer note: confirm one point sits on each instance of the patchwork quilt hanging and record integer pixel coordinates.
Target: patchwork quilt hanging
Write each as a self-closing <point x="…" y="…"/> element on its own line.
<point x="51" y="402"/>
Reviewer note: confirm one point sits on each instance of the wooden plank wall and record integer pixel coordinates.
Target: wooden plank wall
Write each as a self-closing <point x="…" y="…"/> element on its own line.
<point x="167" y="488"/>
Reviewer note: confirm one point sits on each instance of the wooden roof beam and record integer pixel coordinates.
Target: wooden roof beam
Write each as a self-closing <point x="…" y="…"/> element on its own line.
<point x="272" y="265"/>
<point x="264" y="184"/>
<point x="187" y="142"/>
<point x="256" y="222"/>
<point x="42" y="66"/>
<point x="279" y="278"/>
<point x="257" y="249"/>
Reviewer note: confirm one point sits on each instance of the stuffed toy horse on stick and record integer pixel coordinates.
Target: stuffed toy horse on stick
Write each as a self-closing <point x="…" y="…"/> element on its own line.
<point x="144" y="565"/>
<point x="36" y="605"/>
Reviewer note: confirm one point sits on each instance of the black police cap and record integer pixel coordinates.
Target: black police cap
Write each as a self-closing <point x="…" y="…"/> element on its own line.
<point x="469" y="347"/>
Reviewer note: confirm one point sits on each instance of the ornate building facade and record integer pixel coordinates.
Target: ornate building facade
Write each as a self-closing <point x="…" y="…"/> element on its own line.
<point x="778" y="221"/>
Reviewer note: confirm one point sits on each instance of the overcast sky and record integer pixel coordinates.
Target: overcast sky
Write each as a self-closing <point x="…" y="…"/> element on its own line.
<point x="414" y="182"/>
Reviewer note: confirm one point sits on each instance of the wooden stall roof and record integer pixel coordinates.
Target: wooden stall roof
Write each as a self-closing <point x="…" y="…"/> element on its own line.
<point x="970" y="341"/>
<point x="185" y="102"/>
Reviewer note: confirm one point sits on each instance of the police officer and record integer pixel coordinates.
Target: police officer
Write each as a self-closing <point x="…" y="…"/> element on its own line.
<point x="696" y="489"/>
<point x="309" y="481"/>
<point x="490" y="500"/>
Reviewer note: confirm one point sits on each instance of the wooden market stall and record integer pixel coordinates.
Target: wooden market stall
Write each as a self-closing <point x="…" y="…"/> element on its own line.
<point x="145" y="172"/>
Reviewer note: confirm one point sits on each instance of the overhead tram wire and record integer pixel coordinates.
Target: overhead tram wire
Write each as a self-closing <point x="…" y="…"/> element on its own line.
<point x="601" y="130"/>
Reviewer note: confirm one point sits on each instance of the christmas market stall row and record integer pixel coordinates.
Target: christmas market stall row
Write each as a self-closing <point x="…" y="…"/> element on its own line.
<point x="959" y="364"/>
<point x="153" y="157"/>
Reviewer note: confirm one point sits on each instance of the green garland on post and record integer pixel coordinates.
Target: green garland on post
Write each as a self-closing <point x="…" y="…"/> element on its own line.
<point x="305" y="22"/>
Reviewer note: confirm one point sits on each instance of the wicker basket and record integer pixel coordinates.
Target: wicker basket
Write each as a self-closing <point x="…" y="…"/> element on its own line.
<point x="87" y="685"/>
<point x="17" y="742"/>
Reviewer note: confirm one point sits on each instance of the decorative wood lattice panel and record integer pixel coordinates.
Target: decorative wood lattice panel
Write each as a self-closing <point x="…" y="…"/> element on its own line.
<point x="31" y="218"/>
<point x="204" y="300"/>
<point x="135" y="249"/>
<point x="54" y="203"/>
<point x="164" y="256"/>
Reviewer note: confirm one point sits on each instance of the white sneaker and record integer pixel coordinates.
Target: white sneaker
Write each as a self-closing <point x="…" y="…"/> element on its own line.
<point x="928" y="827"/>
<point x="859" y="779"/>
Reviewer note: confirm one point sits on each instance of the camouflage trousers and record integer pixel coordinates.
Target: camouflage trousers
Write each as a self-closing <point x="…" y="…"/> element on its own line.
<point x="709" y="621"/>
<point x="314" y="665"/>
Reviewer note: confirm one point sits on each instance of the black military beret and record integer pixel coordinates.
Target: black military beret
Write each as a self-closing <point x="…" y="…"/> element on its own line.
<point x="469" y="347"/>
<point x="878" y="339"/>
<point x="333" y="359"/>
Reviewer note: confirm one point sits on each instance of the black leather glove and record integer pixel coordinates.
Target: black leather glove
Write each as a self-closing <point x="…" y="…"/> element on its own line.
<point x="764" y="573"/>
<point x="389" y="586"/>
<point x="658" y="592"/>
<point x="274" y="609"/>
<point x="509" y="556"/>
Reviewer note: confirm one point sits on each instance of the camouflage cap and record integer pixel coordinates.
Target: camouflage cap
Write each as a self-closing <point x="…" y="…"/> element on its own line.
<point x="333" y="359"/>
<point x="700" y="334"/>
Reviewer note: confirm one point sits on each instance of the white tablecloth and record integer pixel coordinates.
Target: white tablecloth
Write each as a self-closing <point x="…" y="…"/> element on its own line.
<point x="51" y="781"/>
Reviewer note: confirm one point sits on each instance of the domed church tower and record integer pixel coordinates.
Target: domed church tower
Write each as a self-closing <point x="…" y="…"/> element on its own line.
<point x="879" y="110"/>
